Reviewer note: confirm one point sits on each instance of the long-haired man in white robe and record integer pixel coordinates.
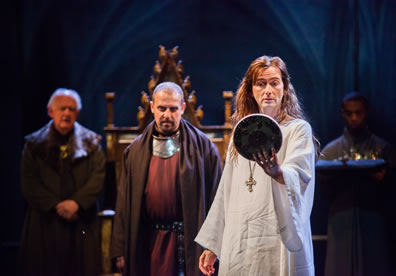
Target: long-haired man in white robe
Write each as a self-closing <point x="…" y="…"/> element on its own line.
<point x="265" y="231"/>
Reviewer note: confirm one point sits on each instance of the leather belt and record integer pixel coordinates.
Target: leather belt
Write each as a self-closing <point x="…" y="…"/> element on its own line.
<point x="178" y="228"/>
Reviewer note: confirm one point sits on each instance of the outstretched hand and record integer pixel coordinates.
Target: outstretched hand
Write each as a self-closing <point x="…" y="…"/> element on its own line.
<point x="269" y="164"/>
<point x="206" y="262"/>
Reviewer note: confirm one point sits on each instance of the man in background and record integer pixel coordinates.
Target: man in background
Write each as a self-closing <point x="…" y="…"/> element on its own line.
<point x="169" y="177"/>
<point x="358" y="242"/>
<point x="62" y="176"/>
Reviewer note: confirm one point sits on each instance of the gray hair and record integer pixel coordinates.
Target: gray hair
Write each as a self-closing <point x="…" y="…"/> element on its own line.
<point x="169" y="87"/>
<point x="66" y="92"/>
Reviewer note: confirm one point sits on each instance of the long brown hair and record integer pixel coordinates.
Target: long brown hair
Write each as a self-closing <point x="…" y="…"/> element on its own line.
<point x="245" y="104"/>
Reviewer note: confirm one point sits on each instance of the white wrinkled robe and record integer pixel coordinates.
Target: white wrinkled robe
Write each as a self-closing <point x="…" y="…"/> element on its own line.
<point x="266" y="231"/>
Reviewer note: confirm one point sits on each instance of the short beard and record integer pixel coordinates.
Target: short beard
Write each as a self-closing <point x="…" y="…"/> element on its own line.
<point x="161" y="132"/>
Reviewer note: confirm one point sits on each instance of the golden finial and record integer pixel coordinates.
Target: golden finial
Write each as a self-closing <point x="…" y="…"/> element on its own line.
<point x="199" y="113"/>
<point x="151" y="84"/>
<point x="180" y="68"/>
<point x="175" y="52"/>
<point x="162" y="53"/>
<point x="157" y="68"/>
<point x="187" y="83"/>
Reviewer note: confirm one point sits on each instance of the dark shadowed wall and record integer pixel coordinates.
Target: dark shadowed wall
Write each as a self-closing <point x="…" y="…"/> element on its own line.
<point x="330" y="47"/>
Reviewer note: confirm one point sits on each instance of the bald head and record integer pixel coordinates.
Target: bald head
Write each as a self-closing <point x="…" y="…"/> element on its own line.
<point x="169" y="88"/>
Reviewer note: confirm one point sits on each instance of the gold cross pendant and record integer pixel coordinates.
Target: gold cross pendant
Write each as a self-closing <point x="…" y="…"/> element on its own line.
<point x="250" y="182"/>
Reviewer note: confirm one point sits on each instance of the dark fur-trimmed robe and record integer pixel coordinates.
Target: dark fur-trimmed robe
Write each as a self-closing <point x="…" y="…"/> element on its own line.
<point x="50" y="245"/>
<point x="199" y="175"/>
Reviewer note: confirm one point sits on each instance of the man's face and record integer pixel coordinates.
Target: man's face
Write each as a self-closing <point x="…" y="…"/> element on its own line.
<point x="168" y="109"/>
<point x="64" y="113"/>
<point x="355" y="115"/>
<point x="268" y="90"/>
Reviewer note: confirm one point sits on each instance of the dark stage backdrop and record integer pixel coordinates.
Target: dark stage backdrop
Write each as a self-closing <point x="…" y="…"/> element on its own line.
<point x="330" y="48"/>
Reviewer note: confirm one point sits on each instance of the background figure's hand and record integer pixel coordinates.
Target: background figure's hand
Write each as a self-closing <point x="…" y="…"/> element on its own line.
<point x="379" y="175"/>
<point x="206" y="262"/>
<point x="120" y="263"/>
<point x="269" y="164"/>
<point x="67" y="209"/>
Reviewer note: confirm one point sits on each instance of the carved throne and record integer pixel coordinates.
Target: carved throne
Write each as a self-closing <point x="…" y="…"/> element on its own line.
<point x="167" y="68"/>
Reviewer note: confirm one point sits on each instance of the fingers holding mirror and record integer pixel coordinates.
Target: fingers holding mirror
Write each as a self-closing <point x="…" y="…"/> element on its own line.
<point x="269" y="164"/>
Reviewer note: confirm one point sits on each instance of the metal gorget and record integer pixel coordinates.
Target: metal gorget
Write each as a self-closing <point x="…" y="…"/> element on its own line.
<point x="166" y="147"/>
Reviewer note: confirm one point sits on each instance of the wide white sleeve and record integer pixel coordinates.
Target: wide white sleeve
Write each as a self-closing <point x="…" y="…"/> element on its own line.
<point x="210" y="235"/>
<point x="293" y="201"/>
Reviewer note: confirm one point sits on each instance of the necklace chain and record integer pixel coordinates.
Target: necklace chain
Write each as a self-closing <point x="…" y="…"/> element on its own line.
<point x="250" y="182"/>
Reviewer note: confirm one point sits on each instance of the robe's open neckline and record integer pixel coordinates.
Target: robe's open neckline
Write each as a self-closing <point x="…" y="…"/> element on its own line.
<point x="288" y="122"/>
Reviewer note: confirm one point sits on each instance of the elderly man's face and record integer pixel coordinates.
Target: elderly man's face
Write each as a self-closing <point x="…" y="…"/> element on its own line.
<point x="64" y="113"/>
<point x="268" y="90"/>
<point x="355" y="115"/>
<point x="168" y="109"/>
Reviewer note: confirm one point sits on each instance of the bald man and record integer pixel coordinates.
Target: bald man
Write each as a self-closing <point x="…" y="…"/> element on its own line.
<point x="169" y="177"/>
